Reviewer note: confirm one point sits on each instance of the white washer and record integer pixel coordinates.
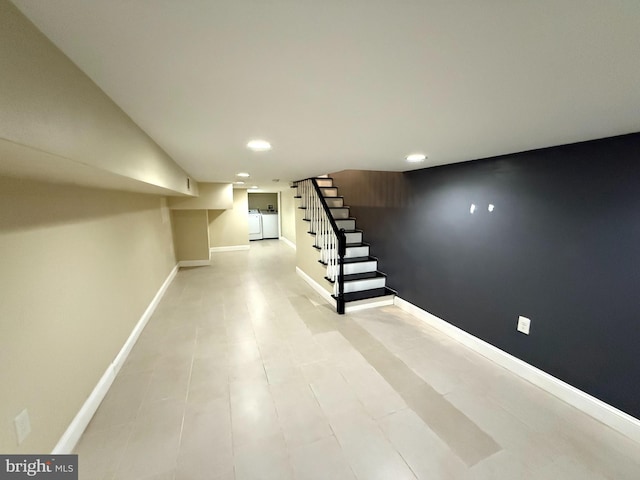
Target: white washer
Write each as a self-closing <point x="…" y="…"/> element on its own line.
<point x="255" y="225"/>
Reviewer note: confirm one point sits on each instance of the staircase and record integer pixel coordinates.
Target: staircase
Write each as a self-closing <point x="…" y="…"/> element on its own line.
<point x="354" y="276"/>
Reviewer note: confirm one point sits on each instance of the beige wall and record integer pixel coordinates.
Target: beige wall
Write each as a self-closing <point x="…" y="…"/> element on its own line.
<point x="229" y="228"/>
<point x="288" y="207"/>
<point x="78" y="267"/>
<point x="191" y="234"/>
<point x="261" y="201"/>
<point x="51" y="107"/>
<point x="211" y="196"/>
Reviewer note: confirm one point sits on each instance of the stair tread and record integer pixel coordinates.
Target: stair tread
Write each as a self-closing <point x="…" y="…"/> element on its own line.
<point x="346" y="231"/>
<point x="350" y="260"/>
<point x="349" y="245"/>
<point x="362" y="276"/>
<point x="366" y="294"/>
<point x="358" y="259"/>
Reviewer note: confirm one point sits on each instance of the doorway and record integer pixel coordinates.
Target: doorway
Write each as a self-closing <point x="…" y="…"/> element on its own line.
<point x="266" y="205"/>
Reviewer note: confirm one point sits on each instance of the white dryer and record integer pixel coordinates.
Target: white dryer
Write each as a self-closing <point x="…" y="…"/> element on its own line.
<point x="270" y="224"/>
<point x="255" y="225"/>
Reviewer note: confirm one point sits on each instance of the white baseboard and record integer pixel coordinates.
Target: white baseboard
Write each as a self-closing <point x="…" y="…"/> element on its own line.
<point x="316" y="286"/>
<point x="74" y="431"/>
<point x="601" y="411"/>
<point x="288" y="242"/>
<point x="194" y="263"/>
<point x="230" y="248"/>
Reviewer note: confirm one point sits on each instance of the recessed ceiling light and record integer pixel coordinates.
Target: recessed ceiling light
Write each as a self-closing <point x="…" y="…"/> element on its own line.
<point x="238" y="183"/>
<point x="242" y="174"/>
<point x="259" y="145"/>
<point x="416" y="157"/>
<point x="254" y="187"/>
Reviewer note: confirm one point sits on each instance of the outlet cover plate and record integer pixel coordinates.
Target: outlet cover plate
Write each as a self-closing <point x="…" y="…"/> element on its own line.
<point x="524" y="324"/>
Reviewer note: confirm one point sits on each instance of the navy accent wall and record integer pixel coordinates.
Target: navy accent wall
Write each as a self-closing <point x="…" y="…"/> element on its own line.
<point x="562" y="247"/>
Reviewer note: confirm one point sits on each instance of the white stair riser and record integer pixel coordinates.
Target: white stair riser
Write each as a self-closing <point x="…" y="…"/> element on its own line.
<point x="354" y="237"/>
<point x="329" y="191"/>
<point x="353" y="252"/>
<point x="341" y="213"/>
<point x="368" y="303"/>
<point x="325" y="182"/>
<point x="364" y="284"/>
<point x="335" y="202"/>
<point x="346" y="224"/>
<point x="360" y="267"/>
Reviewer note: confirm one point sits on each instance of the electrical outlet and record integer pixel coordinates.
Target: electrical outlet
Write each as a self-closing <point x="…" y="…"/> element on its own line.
<point x="23" y="425"/>
<point x="524" y="324"/>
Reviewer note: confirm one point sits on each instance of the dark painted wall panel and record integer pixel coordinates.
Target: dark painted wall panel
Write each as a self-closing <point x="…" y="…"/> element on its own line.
<point x="561" y="247"/>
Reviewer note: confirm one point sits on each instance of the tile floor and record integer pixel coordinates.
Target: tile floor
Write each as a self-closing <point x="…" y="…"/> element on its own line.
<point x="244" y="372"/>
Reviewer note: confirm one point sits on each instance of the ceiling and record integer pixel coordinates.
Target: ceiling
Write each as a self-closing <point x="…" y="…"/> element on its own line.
<point x="354" y="84"/>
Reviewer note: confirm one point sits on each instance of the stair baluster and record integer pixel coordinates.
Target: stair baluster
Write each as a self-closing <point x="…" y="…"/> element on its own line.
<point x="328" y="237"/>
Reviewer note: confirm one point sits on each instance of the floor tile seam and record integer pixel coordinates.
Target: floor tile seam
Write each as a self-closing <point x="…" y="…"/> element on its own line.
<point x="175" y="464"/>
<point x="572" y="453"/>
<point x="105" y="468"/>
<point x="451" y="447"/>
<point x="405" y="395"/>
<point x="361" y="407"/>
<point x="289" y="447"/>
<point x="233" y="440"/>
<point x="634" y="459"/>
<point x="234" y="446"/>
<point x="90" y="431"/>
<point x="186" y="399"/>
<point x="342" y="450"/>
<point x="377" y="427"/>
<point x="413" y="472"/>
<point x="132" y="429"/>
<point x="376" y="422"/>
<point x="353" y="390"/>
<point x="287" y="450"/>
<point x="326" y="418"/>
<point x="496" y="400"/>
<point x="355" y="394"/>
<point x="502" y="410"/>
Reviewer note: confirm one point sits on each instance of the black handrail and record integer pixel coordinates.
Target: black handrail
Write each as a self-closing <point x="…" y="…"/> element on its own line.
<point x="342" y="246"/>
